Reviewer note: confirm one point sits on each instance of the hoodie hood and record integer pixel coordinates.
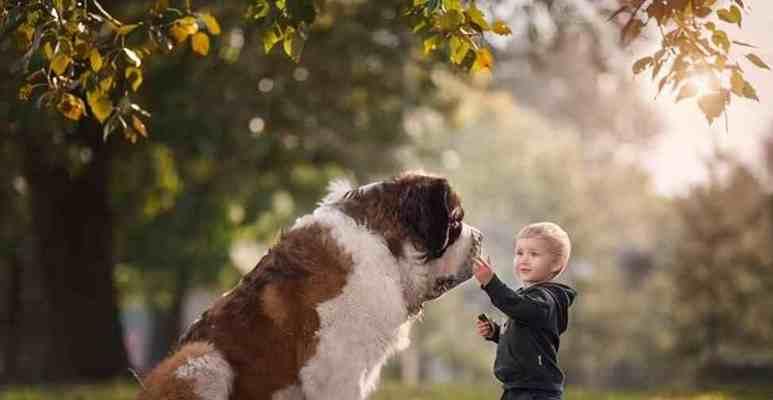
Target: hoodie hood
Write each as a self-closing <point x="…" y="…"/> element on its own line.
<point x="564" y="297"/>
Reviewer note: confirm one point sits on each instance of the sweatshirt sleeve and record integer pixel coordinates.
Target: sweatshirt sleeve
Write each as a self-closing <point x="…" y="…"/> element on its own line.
<point x="525" y="307"/>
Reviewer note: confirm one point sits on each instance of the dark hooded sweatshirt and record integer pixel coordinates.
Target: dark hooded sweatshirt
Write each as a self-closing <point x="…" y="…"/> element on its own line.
<point x="527" y="346"/>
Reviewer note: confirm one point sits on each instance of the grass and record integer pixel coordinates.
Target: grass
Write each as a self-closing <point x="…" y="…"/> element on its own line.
<point x="394" y="391"/>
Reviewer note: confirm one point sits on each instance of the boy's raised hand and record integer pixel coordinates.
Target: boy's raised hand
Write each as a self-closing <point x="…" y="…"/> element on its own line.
<point x="482" y="270"/>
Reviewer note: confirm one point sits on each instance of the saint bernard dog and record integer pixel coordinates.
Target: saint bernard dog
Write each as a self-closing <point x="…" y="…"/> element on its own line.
<point x="330" y="301"/>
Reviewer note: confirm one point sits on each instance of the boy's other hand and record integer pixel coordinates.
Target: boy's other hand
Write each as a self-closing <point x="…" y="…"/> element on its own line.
<point x="482" y="270"/>
<point x="484" y="329"/>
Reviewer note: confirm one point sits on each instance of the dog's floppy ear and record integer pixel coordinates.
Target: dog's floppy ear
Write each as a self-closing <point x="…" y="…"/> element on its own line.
<point x="424" y="209"/>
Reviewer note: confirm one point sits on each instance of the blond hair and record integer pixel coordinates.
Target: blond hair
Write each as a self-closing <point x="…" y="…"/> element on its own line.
<point x="554" y="235"/>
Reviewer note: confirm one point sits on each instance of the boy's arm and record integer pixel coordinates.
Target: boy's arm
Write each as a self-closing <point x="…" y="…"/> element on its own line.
<point x="517" y="306"/>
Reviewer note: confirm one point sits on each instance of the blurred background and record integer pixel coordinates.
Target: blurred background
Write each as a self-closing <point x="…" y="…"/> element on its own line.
<point x="109" y="250"/>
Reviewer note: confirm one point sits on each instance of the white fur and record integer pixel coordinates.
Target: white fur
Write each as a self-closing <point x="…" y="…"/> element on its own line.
<point x="292" y="392"/>
<point x="336" y="190"/>
<point x="365" y="324"/>
<point x="211" y="375"/>
<point x="369" y="321"/>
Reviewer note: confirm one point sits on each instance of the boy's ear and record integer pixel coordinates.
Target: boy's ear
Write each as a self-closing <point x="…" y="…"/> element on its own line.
<point x="557" y="268"/>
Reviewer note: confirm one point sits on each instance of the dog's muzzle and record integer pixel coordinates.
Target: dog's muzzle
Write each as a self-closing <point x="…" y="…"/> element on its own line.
<point x="445" y="283"/>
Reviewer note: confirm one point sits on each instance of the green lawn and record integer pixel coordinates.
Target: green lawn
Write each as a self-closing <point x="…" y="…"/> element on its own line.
<point x="392" y="391"/>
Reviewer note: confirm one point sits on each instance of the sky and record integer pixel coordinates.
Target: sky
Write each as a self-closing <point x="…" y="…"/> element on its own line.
<point x="675" y="159"/>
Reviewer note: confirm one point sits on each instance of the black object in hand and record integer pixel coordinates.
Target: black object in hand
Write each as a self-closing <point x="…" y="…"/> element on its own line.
<point x="483" y="318"/>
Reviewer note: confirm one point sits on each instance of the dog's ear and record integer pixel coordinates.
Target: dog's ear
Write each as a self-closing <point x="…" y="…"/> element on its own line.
<point x="424" y="209"/>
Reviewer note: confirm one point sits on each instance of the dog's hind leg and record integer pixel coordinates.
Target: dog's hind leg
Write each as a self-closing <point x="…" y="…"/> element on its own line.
<point x="195" y="372"/>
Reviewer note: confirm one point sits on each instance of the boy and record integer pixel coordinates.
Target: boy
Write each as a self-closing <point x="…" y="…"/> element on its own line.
<point x="527" y="346"/>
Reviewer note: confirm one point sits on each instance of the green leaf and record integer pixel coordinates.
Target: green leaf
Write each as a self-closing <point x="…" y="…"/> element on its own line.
<point x="459" y="48"/>
<point x="756" y="60"/>
<point x="476" y="17"/>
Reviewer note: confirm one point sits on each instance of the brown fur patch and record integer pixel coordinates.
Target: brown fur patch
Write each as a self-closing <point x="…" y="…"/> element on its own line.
<point x="162" y="384"/>
<point x="266" y="326"/>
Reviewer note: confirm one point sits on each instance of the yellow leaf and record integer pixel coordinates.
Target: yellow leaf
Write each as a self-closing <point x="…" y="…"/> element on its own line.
<point x="25" y="91"/>
<point x="449" y="21"/>
<point x="106" y="84"/>
<point x="459" y="48"/>
<point x="60" y="63"/>
<point x="293" y="44"/>
<point x="756" y="60"/>
<point x="101" y="105"/>
<point x="483" y="60"/>
<point x="212" y="26"/>
<point x="95" y="59"/>
<point x="688" y="90"/>
<point x="24" y="35"/>
<point x="48" y="51"/>
<point x="126" y="29"/>
<point x="134" y="75"/>
<point x="139" y="126"/>
<point x="501" y="28"/>
<point x="641" y="64"/>
<point x="269" y="39"/>
<point x="182" y="28"/>
<point x="430" y="44"/>
<point x="200" y="43"/>
<point x="720" y="39"/>
<point x="71" y="107"/>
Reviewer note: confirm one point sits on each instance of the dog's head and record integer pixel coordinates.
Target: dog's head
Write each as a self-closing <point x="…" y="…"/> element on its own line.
<point x="421" y="220"/>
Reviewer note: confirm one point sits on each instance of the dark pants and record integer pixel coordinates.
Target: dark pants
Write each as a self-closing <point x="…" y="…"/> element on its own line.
<point x="525" y="394"/>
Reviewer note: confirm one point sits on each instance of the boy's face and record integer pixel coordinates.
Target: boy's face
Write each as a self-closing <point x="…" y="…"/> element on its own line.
<point x="533" y="261"/>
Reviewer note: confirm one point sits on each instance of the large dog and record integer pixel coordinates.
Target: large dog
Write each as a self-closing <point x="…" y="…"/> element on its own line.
<point x="330" y="302"/>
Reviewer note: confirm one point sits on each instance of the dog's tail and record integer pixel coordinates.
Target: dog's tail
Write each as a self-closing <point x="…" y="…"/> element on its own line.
<point x="197" y="367"/>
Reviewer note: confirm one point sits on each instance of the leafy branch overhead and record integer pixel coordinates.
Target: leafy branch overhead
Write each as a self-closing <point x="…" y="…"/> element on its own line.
<point x="77" y="58"/>
<point x="696" y="52"/>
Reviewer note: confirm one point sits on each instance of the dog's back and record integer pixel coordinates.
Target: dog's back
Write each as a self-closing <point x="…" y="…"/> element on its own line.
<point x="255" y="339"/>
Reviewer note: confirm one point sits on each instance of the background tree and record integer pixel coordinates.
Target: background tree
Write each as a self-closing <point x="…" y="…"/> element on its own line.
<point x="721" y="269"/>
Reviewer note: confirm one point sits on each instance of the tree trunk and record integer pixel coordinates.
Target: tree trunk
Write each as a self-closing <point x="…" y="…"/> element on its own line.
<point x="68" y="324"/>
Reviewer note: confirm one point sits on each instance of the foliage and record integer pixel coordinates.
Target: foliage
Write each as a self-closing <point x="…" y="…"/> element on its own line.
<point x="76" y="54"/>
<point x="82" y="61"/>
<point x="697" y="49"/>
<point x="721" y="269"/>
